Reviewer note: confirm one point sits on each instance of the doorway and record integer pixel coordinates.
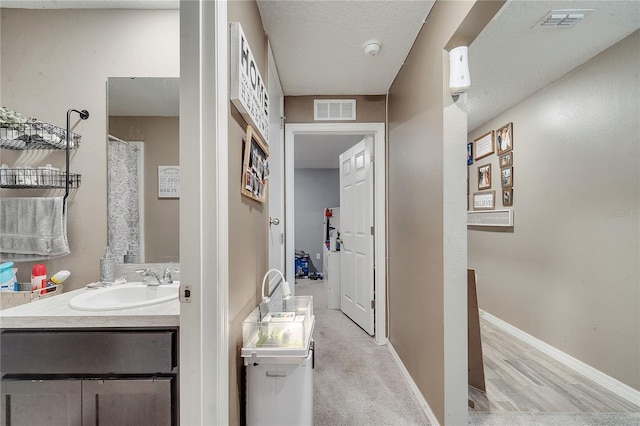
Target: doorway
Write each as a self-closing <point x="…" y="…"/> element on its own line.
<point x="377" y="132"/>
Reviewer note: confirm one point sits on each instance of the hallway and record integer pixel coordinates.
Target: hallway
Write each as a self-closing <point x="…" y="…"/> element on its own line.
<point x="357" y="382"/>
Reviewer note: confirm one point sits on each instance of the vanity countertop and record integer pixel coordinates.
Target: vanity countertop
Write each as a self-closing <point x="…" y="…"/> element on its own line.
<point x="54" y="312"/>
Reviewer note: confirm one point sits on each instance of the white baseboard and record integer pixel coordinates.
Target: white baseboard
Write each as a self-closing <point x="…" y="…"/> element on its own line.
<point x="614" y="385"/>
<point x="433" y="420"/>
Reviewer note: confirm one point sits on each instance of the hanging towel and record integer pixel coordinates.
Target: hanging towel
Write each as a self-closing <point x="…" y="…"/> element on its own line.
<point x="32" y="228"/>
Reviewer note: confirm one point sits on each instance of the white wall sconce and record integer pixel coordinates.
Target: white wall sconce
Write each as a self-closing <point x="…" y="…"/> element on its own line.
<point x="459" y="79"/>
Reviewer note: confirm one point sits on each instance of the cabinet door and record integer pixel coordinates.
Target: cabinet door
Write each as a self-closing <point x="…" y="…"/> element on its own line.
<point x="128" y="402"/>
<point x="41" y="402"/>
<point x="280" y="394"/>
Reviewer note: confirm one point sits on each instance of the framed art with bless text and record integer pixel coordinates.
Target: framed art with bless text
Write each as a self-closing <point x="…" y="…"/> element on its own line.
<point x="484" y="200"/>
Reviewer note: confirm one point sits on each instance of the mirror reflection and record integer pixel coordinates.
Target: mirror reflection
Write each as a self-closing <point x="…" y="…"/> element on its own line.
<point x="143" y="137"/>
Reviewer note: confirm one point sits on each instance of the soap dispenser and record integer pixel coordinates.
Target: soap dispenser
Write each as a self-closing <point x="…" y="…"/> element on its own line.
<point x="130" y="257"/>
<point x="107" y="268"/>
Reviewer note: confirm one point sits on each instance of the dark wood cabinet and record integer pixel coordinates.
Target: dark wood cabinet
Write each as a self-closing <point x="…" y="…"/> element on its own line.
<point x="89" y="377"/>
<point x="41" y="402"/>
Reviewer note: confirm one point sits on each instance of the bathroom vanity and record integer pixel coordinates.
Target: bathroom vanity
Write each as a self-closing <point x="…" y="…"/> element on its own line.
<point x="68" y="367"/>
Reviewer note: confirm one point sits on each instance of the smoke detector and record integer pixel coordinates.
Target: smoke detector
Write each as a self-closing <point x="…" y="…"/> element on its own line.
<point x="563" y="18"/>
<point x="371" y="47"/>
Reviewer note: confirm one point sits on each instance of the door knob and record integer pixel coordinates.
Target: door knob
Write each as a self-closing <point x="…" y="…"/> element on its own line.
<point x="274" y="221"/>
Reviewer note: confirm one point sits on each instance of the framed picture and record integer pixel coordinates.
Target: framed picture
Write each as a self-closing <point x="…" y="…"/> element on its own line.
<point x="506" y="159"/>
<point x="484" y="176"/>
<point x="505" y="138"/>
<point x="469" y="153"/>
<point x="506" y="177"/>
<point x="254" y="166"/>
<point x="168" y="181"/>
<point x="484" y="200"/>
<point x="484" y="146"/>
<point x="507" y="197"/>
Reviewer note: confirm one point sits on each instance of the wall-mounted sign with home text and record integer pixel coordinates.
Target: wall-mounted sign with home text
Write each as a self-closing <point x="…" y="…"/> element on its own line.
<point x="248" y="92"/>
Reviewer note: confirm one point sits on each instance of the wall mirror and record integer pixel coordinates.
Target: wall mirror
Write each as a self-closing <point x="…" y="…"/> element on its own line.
<point x="142" y="138"/>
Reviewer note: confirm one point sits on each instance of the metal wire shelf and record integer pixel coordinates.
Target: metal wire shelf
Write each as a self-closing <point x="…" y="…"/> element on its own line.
<point x="41" y="178"/>
<point x="36" y="135"/>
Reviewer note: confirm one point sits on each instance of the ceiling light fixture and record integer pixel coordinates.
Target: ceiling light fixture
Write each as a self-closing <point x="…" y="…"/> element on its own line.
<point x="371" y="47"/>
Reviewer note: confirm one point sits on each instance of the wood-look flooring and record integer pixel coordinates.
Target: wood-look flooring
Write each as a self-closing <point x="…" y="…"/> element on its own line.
<point x="520" y="378"/>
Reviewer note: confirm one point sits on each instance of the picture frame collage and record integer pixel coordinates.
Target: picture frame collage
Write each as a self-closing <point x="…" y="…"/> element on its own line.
<point x="499" y="142"/>
<point x="255" y="166"/>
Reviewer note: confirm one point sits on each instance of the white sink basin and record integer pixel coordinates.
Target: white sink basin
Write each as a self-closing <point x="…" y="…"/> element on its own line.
<point x="125" y="296"/>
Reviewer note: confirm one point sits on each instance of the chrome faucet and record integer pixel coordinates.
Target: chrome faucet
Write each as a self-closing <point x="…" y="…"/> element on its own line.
<point x="149" y="273"/>
<point x="166" y="277"/>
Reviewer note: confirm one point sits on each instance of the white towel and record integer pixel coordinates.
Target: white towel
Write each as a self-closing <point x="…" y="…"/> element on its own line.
<point x="32" y="228"/>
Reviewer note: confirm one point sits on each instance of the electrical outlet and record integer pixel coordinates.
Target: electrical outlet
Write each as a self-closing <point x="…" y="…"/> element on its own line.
<point x="185" y="293"/>
<point x="317" y="256"/>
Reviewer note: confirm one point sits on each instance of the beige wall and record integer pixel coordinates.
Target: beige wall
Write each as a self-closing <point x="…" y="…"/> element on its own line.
<point x="416" y="202"/>
<point x="568" y="271"/>
<point x="248" y="255"/>
<point x="45" y="72"/>
<point x="161" y="148"/>
<point x="369" y="109"/>
<point x="53" y="60"/>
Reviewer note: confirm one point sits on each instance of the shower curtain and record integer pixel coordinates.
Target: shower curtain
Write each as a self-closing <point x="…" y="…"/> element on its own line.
<point x="123" y="200"/>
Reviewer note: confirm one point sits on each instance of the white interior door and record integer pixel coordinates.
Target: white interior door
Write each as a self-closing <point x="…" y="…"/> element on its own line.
<point x="276" y="169"/>
<point x="356" y="226"/>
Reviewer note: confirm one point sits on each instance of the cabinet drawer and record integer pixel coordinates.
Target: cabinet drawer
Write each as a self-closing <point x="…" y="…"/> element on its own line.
<point x="88" y="352"/>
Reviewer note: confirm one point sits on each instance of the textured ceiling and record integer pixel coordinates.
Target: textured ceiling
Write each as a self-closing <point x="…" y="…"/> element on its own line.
<point x="514" y="57"/>
<point x="91" y="4"/>
<point x="318" y="45"/>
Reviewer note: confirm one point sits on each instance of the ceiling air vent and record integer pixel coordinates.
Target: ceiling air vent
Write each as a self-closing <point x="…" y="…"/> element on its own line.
<point x="564" y="18"/>
<point x="334" y="109"/>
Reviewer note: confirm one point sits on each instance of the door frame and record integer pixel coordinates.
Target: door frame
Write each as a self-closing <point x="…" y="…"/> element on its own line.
<point x="276" y="148"/>
<point x="204" y="213"/>
<point x="377" y="130"/>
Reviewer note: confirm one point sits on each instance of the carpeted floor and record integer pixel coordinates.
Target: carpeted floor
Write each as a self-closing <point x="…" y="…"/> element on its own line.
<point x="357" y="382"/>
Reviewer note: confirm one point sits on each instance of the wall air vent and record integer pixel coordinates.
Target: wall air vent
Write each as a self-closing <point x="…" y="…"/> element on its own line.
<point x="563" y="18"/>
<point x="334" y="109"/>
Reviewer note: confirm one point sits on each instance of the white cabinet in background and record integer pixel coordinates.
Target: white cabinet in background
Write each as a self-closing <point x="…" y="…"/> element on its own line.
<point x="331" y="270"/>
